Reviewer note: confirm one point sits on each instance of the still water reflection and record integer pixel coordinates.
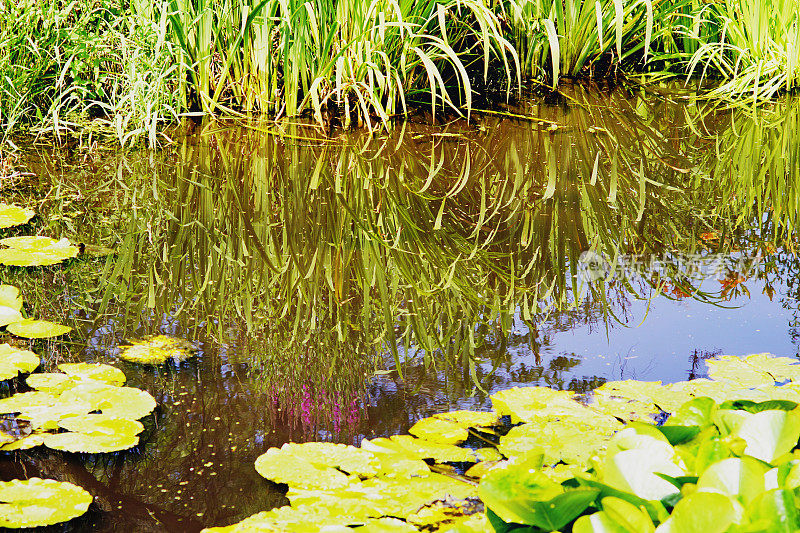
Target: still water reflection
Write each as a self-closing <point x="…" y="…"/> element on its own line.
<point x="342" y="288"/>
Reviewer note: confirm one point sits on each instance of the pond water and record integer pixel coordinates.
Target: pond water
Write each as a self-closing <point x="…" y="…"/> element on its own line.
<point x="345" y="287"/>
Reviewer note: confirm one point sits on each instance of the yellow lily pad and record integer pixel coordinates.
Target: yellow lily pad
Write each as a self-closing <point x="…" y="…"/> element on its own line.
<point x="14" y="361"/>
<point x="753" y="370"/>
<point x="40" y="502"/>
<point x="157" y="350"/>
<point x="420" y="449"/>
<point x="525" y="404"/>
<point x="470" y="419"/>
<point x="96" y="371"/>
<point x="25" y="443"/>
<point x="347" y="458"/>
<point x="9" y="297"/>
<point x="35" y="251"/>
<point x="441" y="431"/>
<point x="13" y="215"/>
<point x="282" y="466"/>
<point x="117" y="402"/>
<point x="295" y="519"/>
<point x="37" y="329"/>
<point x="82" y="442"/>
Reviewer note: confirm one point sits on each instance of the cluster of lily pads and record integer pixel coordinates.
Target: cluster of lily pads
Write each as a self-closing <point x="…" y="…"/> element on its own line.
<point x="726" y="458"/>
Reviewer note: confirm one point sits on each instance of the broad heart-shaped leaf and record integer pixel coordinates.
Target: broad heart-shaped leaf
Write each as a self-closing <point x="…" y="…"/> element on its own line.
<point x="743" y="478"/>
<point x="617" y="516"/>
<point x="380" y="496"/>
<point x="40" y="502"/>
<point x="470" y="419"/>
<point x="327" y="454"/>
<point x="303" y="519"/>
<point x="525" y="404"/>
<point x="770" y="434"/>
<point x="775" y="511"/>
<point x="9" y="297"/>
<point x="99" y="424"/>
<point x="654" y="508"/>
<point x="96" y="371"/>
<point x="701" y="512"/>
<point x="13" y="215"/>
<point x="117" y="402"/>
<point x="520" y="494"/>
<point x="644" y="392"/>
<point x="157" y="350"/>
<point x="25" y="443"/>
<point x="385" y="525"/>
<point x="633" y="459"/>
<point x="696" y="412"/>
<point x="420" y="449"/>
<point x="753" y="370"/>
<point x="441" y="431"/>
<point x="37" y="329"/>
<point x="9" y="315"/>
<point x="35" y="251"/>
<point x="97" y="443"/>
<point x="282" y="466"/>
<point x="14" y="361"/>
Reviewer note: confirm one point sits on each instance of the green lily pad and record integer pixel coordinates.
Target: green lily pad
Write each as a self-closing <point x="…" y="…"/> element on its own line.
<point x="14" y="361"/>
<point x="116" y="402"/>
<point x="97" y="443"/>
<point x="441" y="431"/>
<point x="40" y="502"/>
<point x="13" y="215"/>
<point x="327" y="454"/>
<point x="753" y="370"/>
<point x="386" y="525"/>
<point x="282" y="466"/>
<point x="420" y="449"/>
<point x="470" y="419"/>
<point x="294" y="519"/>
<point x="52" y="382"/>
<point x="37" y="329"/>
<point x="96" y="371"/>
<point x="25" y="443"/>
<point x="157" y="350"/>
<point x="525" y="404"/>
<point x="35" y="251"/>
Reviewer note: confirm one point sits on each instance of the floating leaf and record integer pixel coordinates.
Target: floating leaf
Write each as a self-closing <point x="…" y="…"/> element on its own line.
<point x="294" y="519"/>
<point x="117" y="402"/>
<point x="470" y="419"/>
<point x="25" y="443"/>
<point x="9" y="297"/>
<point x="753" y="370"/>
<point x="386" y="525"/>
<point x="40" y="502"/>
<point x="348" y="458"/>
<point x="421" y="449"/>
<point x="9" y="315"/>
<point x="438" y="514"/>
<point x="37" y="329"/>
<point x="157" y="350"/>
<point x="525" y="404"/>
<point x="96" y="371"/>
<point x="82" y="442"/>
<point x="12" y="215"/>
<point x="35" y="251"/>
<point x="441" y="431"/>
<point x="282" y="466"/>
<point x="14" y="361"/>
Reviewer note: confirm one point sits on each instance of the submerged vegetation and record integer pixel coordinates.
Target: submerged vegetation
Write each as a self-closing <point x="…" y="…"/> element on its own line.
<point x="133" y="67"/>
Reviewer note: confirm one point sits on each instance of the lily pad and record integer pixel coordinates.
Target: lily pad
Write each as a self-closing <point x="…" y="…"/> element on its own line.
<point x="117" y="402"/>
<point x="35" y="251"/>
<point x="753" y="370"/>
<point x="37" y="329"/>
<point x="525" y="404"/>
<point x="82" y="442"/>
<point x="295" y="519"/>
<point x="10" y="303"/>
<point x="421" y="449"/>
<point x="441" y="431"/>
<point x="282" y="466"/>
<point x="470" y="419"/>
<point x="25" y="443"/>
<point x="13" y="215"/>
<point x="347" y="458"/>
<point x="157" y="350"/>
<point x="96" y="371"/>
<point x="40" y="502"/>
<point x="14" y="361"/>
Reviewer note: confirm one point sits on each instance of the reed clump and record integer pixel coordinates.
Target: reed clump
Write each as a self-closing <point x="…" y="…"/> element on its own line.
<point x="133" y="66"/>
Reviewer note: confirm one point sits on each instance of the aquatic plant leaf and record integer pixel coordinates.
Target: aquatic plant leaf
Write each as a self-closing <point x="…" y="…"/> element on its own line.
<point x="386" y="525"/>
<point x="35" y="251"/>
<point x="633" y="461"/>
<point x="116" y="402"/>
<point x="25" y="443"/>
<point x="327" y="454"/>
<point x="701" y="512"/>
<point x="441" y="431"/>
<point x="490" y="453"/>
<point x="46" y="417"/>
<point x="438" y="514"/>
<point x="770" y="434"/>
<point x="478" y="470"/>
<point x="9" y="297"/>
<point x="476" y="523"/>
<point x="96" y="371"/>
<point x="281" y="466"/>
<point x="525" y="404"/>
<point x="470" y="419"/>
<point x="37" y="329"/>
<point x="100" y="424"/>
<point x="13" y="215"/>
<point x="300" y="519"/>
<point x="82" y="442"/>
<point x="40" y="502"/>
<point x="157" y="350"/>
<point x="775" y="510"/>
<point x="647" y="392"/>
<point x="14" y="361"/>
<point x="518" y="493"/>
<point x="617" y="516"/>
<point x="753" y="370"/>
<point x="9" y="315"/>
<point x="21" y="401"/>
<point x="570" y="439"/>
<point x="738" y="477"/>
<point x="396" y="463"/>
<point x="420" y="449"/>
<point x="380" y="496"/>
<point x="51" y="382"/>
